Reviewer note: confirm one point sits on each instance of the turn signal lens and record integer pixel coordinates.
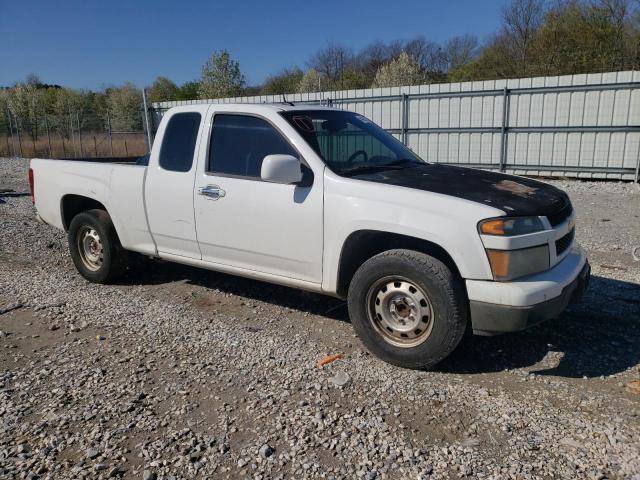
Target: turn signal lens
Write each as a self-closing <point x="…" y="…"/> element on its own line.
<point x="499" y="260"/>
<point x="492" y="227"/>
<point x="508" y="227"/>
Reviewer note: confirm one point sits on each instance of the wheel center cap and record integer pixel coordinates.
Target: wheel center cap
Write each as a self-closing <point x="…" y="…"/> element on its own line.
<point x="402" y="308"/>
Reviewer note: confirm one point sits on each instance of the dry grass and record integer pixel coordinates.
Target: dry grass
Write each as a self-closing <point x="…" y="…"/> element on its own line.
<point x="93" y="145"/>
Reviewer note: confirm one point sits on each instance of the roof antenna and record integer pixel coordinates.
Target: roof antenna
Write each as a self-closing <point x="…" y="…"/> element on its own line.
<point x="284" y="100"/>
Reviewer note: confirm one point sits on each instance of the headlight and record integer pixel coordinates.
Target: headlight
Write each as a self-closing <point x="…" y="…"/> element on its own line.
<point x="510" y="264"/>
<point x="510" y="226"/>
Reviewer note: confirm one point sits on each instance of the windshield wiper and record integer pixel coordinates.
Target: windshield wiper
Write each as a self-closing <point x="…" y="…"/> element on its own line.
<point x="370" y="168"/>
<point x="405" y="161"/>
<point x="399" y="164"/>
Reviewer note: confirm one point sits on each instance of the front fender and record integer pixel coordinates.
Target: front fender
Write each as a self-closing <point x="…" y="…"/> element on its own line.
<point x="448" y="222"/>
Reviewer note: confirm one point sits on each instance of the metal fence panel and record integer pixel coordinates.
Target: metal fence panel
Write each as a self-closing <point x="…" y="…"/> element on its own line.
<point x="584" y="125"/>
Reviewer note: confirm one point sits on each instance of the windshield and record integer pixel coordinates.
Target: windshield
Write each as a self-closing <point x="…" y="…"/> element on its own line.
<point x="350" y="143"/>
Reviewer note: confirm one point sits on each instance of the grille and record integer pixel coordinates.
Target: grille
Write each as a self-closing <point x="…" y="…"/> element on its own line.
<point x="561" y="215"/>
<point x="564" y="242"/>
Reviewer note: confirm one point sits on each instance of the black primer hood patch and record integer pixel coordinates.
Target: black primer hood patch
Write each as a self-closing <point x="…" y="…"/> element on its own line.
<point x="516" y="196"/>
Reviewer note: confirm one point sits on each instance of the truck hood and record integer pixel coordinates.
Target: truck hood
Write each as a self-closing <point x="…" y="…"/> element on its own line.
<point x="516" y="196"/>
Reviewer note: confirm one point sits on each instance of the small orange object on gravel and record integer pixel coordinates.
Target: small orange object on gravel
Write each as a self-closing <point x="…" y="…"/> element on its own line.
<point x="328" y="359"/>
<point x="634" y="387"/>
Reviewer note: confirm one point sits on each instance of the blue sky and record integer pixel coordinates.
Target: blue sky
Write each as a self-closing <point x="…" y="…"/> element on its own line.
<point x="92" y="44"/>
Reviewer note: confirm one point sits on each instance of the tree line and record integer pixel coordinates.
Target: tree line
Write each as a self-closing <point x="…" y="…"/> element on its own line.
<point x="535" y="38"/>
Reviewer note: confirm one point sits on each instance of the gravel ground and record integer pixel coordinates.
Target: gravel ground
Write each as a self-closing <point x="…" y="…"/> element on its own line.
<point x="182" y="373"/>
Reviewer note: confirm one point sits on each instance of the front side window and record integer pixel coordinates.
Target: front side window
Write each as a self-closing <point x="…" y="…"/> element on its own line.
<point x="239" y="143"/>
<point x="179" y="142"/>
<point x="350" y="143"/>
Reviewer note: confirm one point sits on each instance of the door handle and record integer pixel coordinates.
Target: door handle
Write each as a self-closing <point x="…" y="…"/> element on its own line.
<point x="213" y="192"/>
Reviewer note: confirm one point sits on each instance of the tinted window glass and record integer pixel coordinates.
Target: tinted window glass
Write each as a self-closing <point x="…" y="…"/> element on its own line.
<point x="239" y="143"/>
<point x="179" y="142"/>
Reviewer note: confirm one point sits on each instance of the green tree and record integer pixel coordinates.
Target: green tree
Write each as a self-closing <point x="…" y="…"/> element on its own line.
<point x="162" y="90"/>
<point x="285" y="82"/>
<point x="188" y="90"/>
<point x="398" y="72"/>
<point x="221" y="77"/>
<point x="352" y="78"/>
<point x="67" y="107"/>
<point x="125" y="105"/>
<point x="311" y="81"/>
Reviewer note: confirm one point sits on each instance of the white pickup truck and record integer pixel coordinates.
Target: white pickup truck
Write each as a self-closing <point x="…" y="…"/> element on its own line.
<point x="325" y="200"/>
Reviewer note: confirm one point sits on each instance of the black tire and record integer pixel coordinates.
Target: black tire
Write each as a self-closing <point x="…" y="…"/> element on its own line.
<point x="113" y="259"/>
<point x="448" y="311"/>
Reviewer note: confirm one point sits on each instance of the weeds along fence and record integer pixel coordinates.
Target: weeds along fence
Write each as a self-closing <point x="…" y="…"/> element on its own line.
<point x="73" y="135"/>
<point x="585" y="126"/>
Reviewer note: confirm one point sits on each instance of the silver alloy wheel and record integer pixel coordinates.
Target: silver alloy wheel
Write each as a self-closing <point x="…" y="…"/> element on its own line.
<point x="90" y="247"/>
<point x="400" y="311"/>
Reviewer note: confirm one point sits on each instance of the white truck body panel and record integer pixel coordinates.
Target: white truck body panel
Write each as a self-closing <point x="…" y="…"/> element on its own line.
<point x="263" y="227"/>
<point x="118" y="187"/>
<point x="449" y="222"/>
<point x="168" y="197"/>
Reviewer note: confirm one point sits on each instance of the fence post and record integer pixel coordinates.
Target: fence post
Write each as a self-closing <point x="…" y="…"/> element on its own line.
<point x="405" y="117"/>
<point x="79" y="133"/>
<point x="109" y="129"/>
<point x="33" y="143"/>
<point x="146" y="118"/>
<point x="46" y="126"/>
<point x="19" y="137"/>
<point x="13" y="142"/>
<point x="72" y="134"/>
<point x="504" y="129"/>
<point x="637" y="168"/>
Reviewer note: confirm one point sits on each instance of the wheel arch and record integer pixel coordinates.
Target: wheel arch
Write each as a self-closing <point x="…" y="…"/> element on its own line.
<point x="361" y="245"/>
<point x="71" y="205"/>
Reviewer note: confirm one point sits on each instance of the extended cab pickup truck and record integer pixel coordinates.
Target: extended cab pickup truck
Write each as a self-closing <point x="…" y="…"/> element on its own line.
<point x="325" y="200"/>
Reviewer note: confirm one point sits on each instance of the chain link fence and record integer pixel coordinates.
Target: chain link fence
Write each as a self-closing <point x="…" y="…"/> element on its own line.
<point x="73" y="135"/>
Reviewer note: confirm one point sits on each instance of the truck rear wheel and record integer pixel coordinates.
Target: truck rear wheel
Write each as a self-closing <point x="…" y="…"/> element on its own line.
<point x="408" y="308"/>
<point x="95" y="247"/>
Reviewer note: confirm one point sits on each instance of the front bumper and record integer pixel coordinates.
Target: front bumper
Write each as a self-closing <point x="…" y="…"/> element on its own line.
<point x="564" y="284"/>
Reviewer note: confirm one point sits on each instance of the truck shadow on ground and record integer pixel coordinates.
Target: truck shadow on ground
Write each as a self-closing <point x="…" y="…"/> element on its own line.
<point x="598" y="337"/>
<point x="8" y="193"/>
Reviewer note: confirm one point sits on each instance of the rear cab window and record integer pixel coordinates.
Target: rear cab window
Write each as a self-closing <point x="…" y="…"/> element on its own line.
<point x="179" y="142"/>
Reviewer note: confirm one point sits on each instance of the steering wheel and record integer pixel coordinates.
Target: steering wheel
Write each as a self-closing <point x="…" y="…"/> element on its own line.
<point x="356" y="153"/>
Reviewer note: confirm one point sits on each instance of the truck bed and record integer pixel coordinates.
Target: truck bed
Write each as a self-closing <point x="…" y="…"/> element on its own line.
<point x="115" y="182"/>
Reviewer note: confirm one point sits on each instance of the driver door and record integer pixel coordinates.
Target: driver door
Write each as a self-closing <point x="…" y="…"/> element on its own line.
<point x="244" y="222"/>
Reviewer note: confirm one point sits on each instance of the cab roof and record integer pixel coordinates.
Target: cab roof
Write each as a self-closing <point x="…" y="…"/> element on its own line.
<point x="277" y="107"/>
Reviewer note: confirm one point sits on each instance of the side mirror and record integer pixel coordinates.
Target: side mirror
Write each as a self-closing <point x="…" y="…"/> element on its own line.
<point x="285" y="169"/>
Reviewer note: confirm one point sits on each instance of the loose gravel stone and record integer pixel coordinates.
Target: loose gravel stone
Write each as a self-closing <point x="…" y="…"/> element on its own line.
<point x="148" y="475"/>
<point x="266" y="451"/>
<point x="340" y="379"/>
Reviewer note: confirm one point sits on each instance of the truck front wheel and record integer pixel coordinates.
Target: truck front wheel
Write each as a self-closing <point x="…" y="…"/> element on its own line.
<point x="95" y="248"/>
<point x="408" y="308"/>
